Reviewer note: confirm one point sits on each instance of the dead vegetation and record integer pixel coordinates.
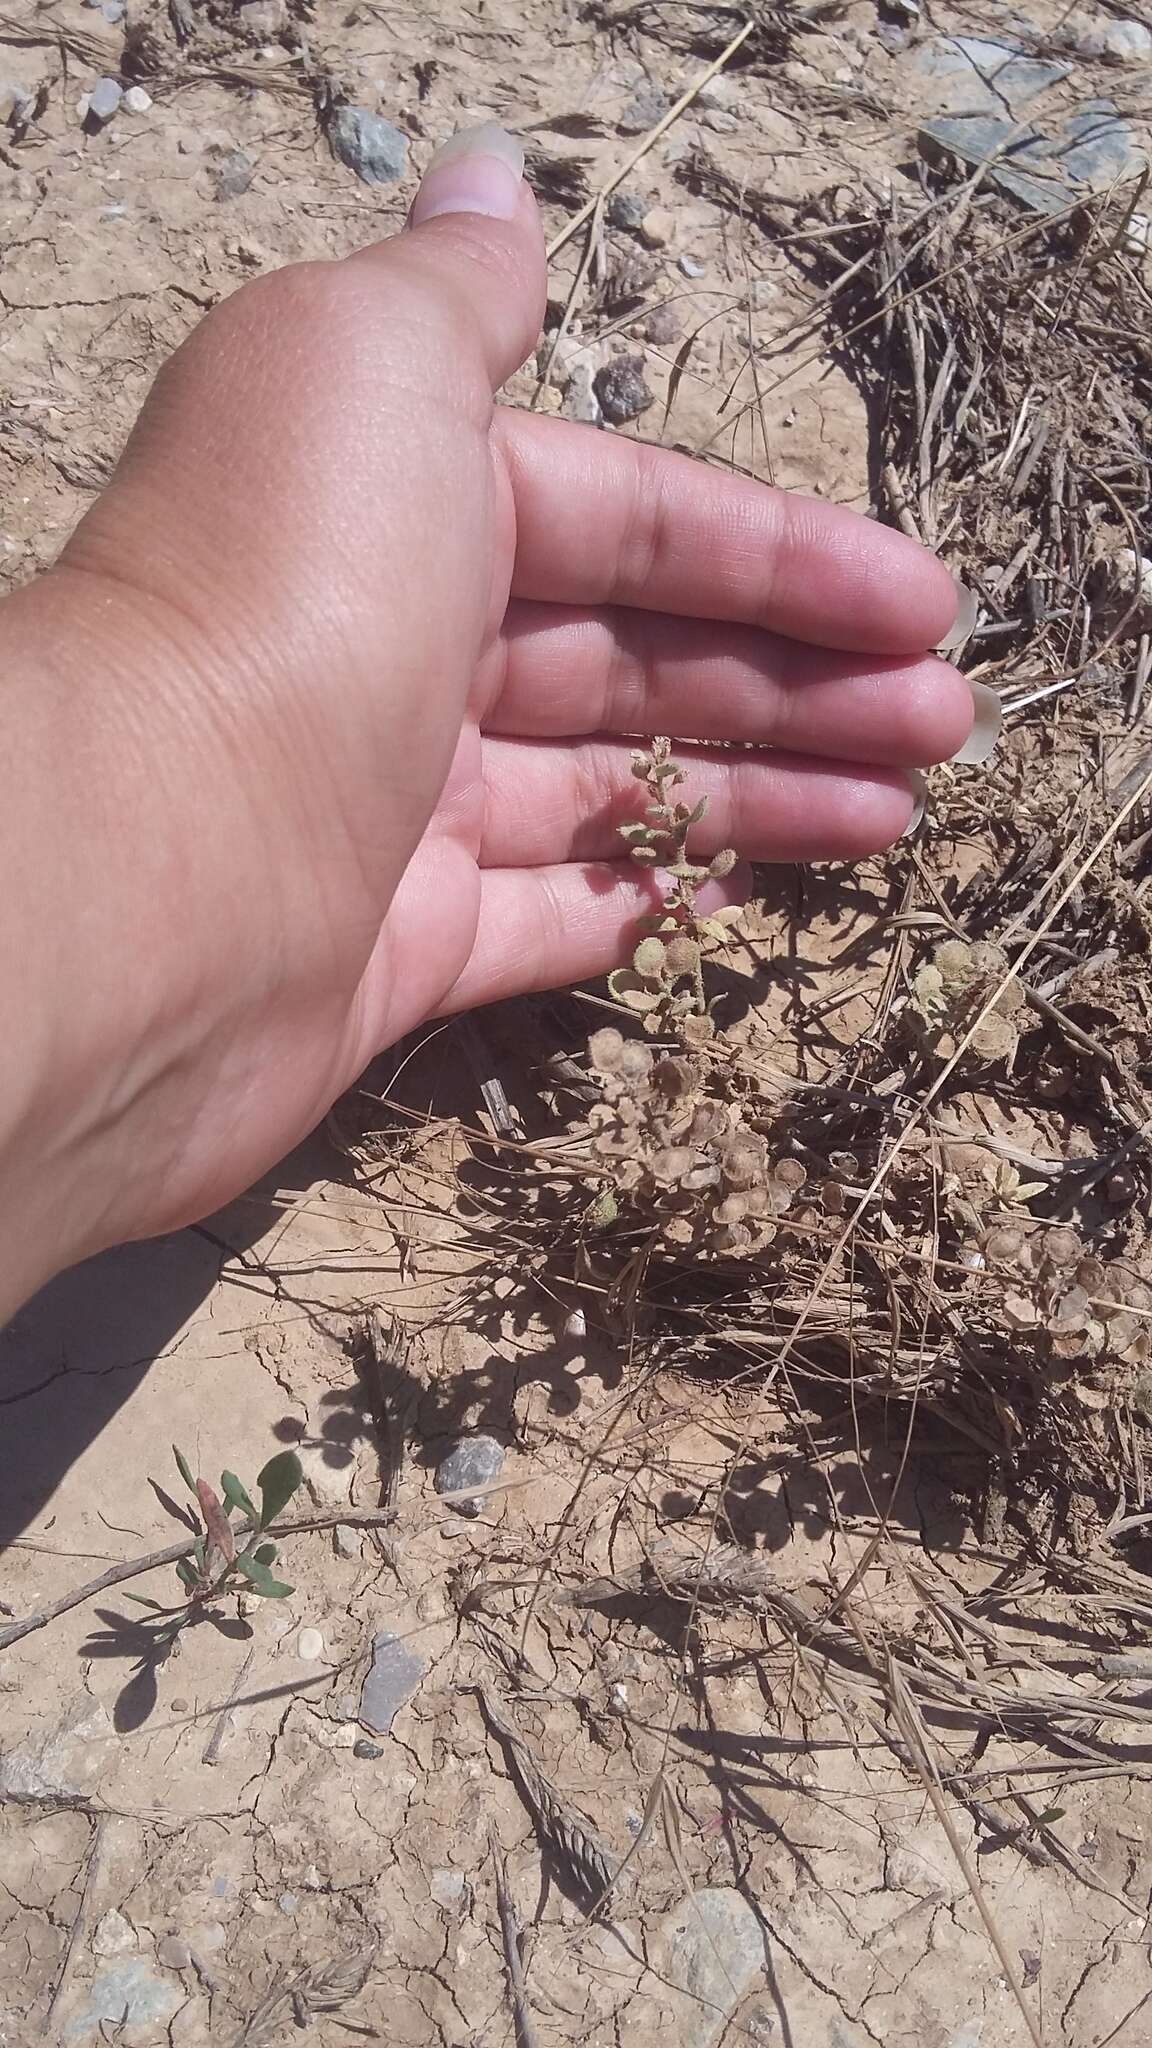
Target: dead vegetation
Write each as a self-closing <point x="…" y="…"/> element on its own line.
<point x="942" y="1241"/>
<point x="920" y="1244"/>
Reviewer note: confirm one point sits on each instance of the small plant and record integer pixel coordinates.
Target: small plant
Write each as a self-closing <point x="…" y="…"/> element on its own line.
<point x="709" y="1183"/>
<point x="676" y="1152"/>
<point x="1076" y="1309"/>
<point x="218" y="1563"/>
<point x="665" y="983"/>
<point x="949" y="990"/>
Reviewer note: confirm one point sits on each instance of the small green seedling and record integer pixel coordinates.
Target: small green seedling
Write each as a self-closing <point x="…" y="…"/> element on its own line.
<point x="226" y="1558"/>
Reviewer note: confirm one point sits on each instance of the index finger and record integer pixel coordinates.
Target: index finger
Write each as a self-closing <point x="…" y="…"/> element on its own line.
<point x="604" y="520"/>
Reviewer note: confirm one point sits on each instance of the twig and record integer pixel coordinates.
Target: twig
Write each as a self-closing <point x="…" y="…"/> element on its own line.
<point x="80" y="1925"/>
<point x="134" y="1568"/>
<point x="662" y="126"/>
<point x="526" y="2036"/>
<point x="211" y="1751"/>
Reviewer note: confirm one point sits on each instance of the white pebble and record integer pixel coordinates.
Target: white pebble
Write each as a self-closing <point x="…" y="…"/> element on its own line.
<point x="136" y="100"/>
<point x="310" y="1646"/>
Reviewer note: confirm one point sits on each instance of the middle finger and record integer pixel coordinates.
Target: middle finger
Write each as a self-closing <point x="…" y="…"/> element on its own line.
<point x="562" y="672"/>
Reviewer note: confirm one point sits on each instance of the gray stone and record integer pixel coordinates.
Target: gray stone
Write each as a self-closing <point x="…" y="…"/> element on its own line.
<point x="621" y="389"/>
<point x="647" y="106"/>
<point x="104" y="99"/>
<point x="368" y="145"/>
<point x="113" y="11"/>
<point x="367" y="1751"/>
<point x="233" y="174"/>
<point x="626" y="209"/>
<point x="16" y="105"/>
<point x="127" y="1993"/>
<point x="974" y="75"/>
<point x="113" y="1935"/>
<point x="580" y="403"/>
<point x="720" y="121"/>
<point x="261" y="20"/>
<point x="474" y="1460"/>
<point x="713" y="1949"/>
<point x="66" y="1763"/>
<point x="174" y="1953"/>
<point x="1124" y="42"/>
<point x="393" y="1676"/>
<point x="662" y="325"/>
<point x="691" y="266"/>
<point x="1093" y="148"/>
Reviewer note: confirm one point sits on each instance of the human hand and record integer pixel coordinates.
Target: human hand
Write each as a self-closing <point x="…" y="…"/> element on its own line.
<point x="329" y="695"/>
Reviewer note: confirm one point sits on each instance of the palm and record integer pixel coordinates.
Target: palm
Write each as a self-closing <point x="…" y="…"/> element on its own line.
<point x="647" y="594"/>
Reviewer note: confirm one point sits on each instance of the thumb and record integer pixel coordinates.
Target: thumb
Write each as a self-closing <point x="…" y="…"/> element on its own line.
<point x="475" y="241"/>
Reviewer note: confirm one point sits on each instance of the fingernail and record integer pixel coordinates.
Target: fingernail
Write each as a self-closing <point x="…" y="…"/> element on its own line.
<point x="986" y="727"/>
<point x="478" y="170"/>
<point x="918" y="785"/>
<point x="967" y="609"/>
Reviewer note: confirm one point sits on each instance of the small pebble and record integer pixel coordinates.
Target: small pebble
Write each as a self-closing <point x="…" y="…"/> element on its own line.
<point x="261" y="19"/>
<point x="288" y="1903"/>
<point x="662" y="325"/>
<point x="691" y="266"/>
<point x="657" y="227"/>
<point x="309" y="1646"/>
<point x="113" y="1935"/>
<point x="721" y="122"/>
<point x="104" y="99"/>
<point x="626" y="209"/>
<point x="717" y="93"/>
<point x="367" y="1751"/>
<point x="621" y="389"/>
<point x="368" y="144"/>
<point x="447" y="1886"/>
<point x="581" y="403"/>
<point x="474" y="1460"/>
<point x="173" y="1953"/>
<point x="644" y="109"/>
<point x="346" y="1541"/>
<point x="392" y="1678"/>
<point x="113" y="11"/>
<point x="233" y="174"/>
<point x="136" y="100"/>
<point x="760" y="293"/>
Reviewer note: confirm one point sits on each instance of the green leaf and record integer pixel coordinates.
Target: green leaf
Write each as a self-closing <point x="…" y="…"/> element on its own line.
<point x="142" y="1600"/>
<point x="186" y="1573"/>
<point x="199" y="1551"/>
<point x="1051" y="1813"/>
<point x="236" y="1496"/>
<point x="184" y="1469"/>
<point x="278" y="1482"/>
<point x="266" y="1553"/>
<point x="260" y="1579"/>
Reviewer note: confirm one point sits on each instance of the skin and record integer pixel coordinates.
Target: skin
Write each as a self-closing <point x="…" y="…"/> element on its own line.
<point x="318" y="727"/>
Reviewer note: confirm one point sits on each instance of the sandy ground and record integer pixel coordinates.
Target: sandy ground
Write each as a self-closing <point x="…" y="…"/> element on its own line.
<point x="165" y="1870"/>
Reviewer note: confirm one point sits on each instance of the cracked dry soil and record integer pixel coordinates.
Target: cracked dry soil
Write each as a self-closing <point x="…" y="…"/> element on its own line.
<point x="185" y="1838"/>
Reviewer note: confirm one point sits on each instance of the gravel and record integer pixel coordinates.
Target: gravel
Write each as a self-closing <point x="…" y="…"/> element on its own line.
<point x="621" y="389"/>
<point x="473" y="1461"/>
<point x="368" y="145"/>
<point x="393" y="1677"/>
